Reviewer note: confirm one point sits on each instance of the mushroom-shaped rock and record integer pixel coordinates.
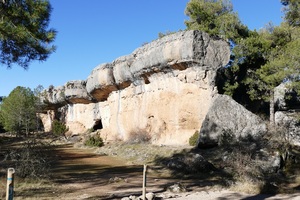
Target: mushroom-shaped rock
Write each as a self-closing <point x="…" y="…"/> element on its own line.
<point x="75" y="92"/>
<point x="177" y="51"/>
<point x="101" y="82"/>
<point x="54" y="97"/>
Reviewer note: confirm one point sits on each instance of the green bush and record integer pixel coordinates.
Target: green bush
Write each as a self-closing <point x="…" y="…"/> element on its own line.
<point x="194" y="139"/>
<point x="94" y="141"/>
<point x="59" y="128"/>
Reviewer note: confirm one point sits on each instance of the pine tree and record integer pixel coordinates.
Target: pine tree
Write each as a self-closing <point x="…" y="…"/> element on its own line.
<point x="24" y="33"/>
<point x="18" y="112"/>
<point x="292" y="12"/>
<point x="215" y="17"/>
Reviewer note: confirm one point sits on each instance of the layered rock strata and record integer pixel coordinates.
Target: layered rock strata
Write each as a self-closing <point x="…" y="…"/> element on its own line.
<point x="161" y="92"/>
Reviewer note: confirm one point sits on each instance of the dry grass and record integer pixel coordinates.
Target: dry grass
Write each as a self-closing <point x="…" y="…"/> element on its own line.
<point x="143" y="153"/>
<point x="247" y="187"/>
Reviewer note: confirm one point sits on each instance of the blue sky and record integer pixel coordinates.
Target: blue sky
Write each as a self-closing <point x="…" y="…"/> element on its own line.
<point x="98" y="31"/>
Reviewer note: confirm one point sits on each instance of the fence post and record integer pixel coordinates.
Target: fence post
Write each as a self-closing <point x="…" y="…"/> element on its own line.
<point x="10" y="184"/>
<point x="144" y="182"/>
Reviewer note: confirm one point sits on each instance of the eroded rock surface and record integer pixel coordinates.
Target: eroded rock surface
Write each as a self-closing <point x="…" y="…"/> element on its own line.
<point x="227" y="118"/>
<point x="289" y="124"/>
<point x="163" y="90"/>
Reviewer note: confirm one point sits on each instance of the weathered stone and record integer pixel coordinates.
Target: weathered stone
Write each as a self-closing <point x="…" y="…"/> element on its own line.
<point x="54" y="97"/>
<point x="189" y="163"/>
<point x="75" y="92"/>
<point x="286" y="98"/>
<point x="177" y="188"/>
<point x="156" y="90"/>
<point x="150" y="196"/>
<point x="101" y="82"/>
<point x="269" y="162"/>
<point x="226" y="116"/>
<point x="279" y="96"/>
<point x="289" y="121"/>
<point x="178" y="51"/>
<point x="47" y="119"/>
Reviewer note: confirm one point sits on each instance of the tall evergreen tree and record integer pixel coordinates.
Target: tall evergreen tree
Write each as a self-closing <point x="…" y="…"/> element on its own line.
<point x="24" y="33"/>
<point x="18" y="112"/>
<point x="215" y="17"/>
<point x="263" y="61"/>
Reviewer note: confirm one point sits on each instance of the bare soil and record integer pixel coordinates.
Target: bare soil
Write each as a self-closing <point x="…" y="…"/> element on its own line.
<point x="87" y="173"/>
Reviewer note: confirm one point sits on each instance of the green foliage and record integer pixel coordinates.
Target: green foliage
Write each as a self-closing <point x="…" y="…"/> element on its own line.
<point x="194" y="139"/>
<point x="215" y="17"/>
<point x="18" y="112"/>
<point x="24" y="33"/>
<point x="161" y="35"/>
<point x="59" y="128"/>
<point x="94" y="141"/>
<point x="263" y="61"/>
<point x="292" y="12"/>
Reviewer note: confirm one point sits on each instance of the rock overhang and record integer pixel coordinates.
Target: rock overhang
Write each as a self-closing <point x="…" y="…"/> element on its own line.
<point x="177" y="51"/>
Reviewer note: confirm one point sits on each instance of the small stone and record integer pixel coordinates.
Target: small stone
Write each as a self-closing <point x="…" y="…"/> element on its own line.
<point x="150" y="196"/>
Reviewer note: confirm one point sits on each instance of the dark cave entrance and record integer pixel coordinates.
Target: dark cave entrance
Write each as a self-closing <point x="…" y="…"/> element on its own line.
<point x="98" y="125"/>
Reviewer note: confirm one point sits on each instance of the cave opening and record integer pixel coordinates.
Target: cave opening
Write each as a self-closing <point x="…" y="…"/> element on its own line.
<point x="98" y="125"/>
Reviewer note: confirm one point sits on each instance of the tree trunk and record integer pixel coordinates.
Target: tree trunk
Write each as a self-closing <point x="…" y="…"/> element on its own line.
<point x="272" y="110"/>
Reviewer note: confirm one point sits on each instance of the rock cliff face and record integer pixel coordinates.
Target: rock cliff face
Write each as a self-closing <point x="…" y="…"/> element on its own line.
<point x="163" y="90"/>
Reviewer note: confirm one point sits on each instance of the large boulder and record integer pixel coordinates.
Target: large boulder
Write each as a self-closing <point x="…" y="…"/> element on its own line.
<point x="227" y="118"/>
<point x="289" y="122"/>
<point x="286" y="98"/>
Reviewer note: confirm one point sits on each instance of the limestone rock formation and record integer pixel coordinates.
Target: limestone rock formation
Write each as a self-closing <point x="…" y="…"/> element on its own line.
<point x="289" y="122"/>
<point x="175" y="52"/>
<point x="227" y="118"/>
<point x="75" y="92"/>
<point x="162" y="91"/>
<point x="286" y="98"/>
<point x="54" y="97"/>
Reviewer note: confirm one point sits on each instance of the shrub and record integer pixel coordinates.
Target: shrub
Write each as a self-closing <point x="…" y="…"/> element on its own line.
<point x="194" y="138"/>
<point x="59" y="128"/>
<point x="140" y="136"/>
<point x="94" y="141"/>
<point x="29" y="160"/>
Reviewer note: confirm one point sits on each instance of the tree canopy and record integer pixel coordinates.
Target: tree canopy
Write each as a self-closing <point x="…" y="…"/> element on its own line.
<point x="215" y="17"/>
<point x="24" y="32"/>
<point x="292" y="12"/>
<point x="18" y="111"/>
<point x="261" y="60"/>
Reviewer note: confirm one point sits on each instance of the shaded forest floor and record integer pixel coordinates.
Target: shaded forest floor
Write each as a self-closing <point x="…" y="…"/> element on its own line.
<point x="112" y="172"/>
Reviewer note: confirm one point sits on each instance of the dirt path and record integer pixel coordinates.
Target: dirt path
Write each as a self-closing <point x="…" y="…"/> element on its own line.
<point x="229" y="195"/>
<point x="81" y="174"/>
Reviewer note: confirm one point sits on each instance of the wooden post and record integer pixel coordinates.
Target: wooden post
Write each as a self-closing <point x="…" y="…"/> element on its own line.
<point x="144" y="182"/>
<point x="10" y="184"/>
